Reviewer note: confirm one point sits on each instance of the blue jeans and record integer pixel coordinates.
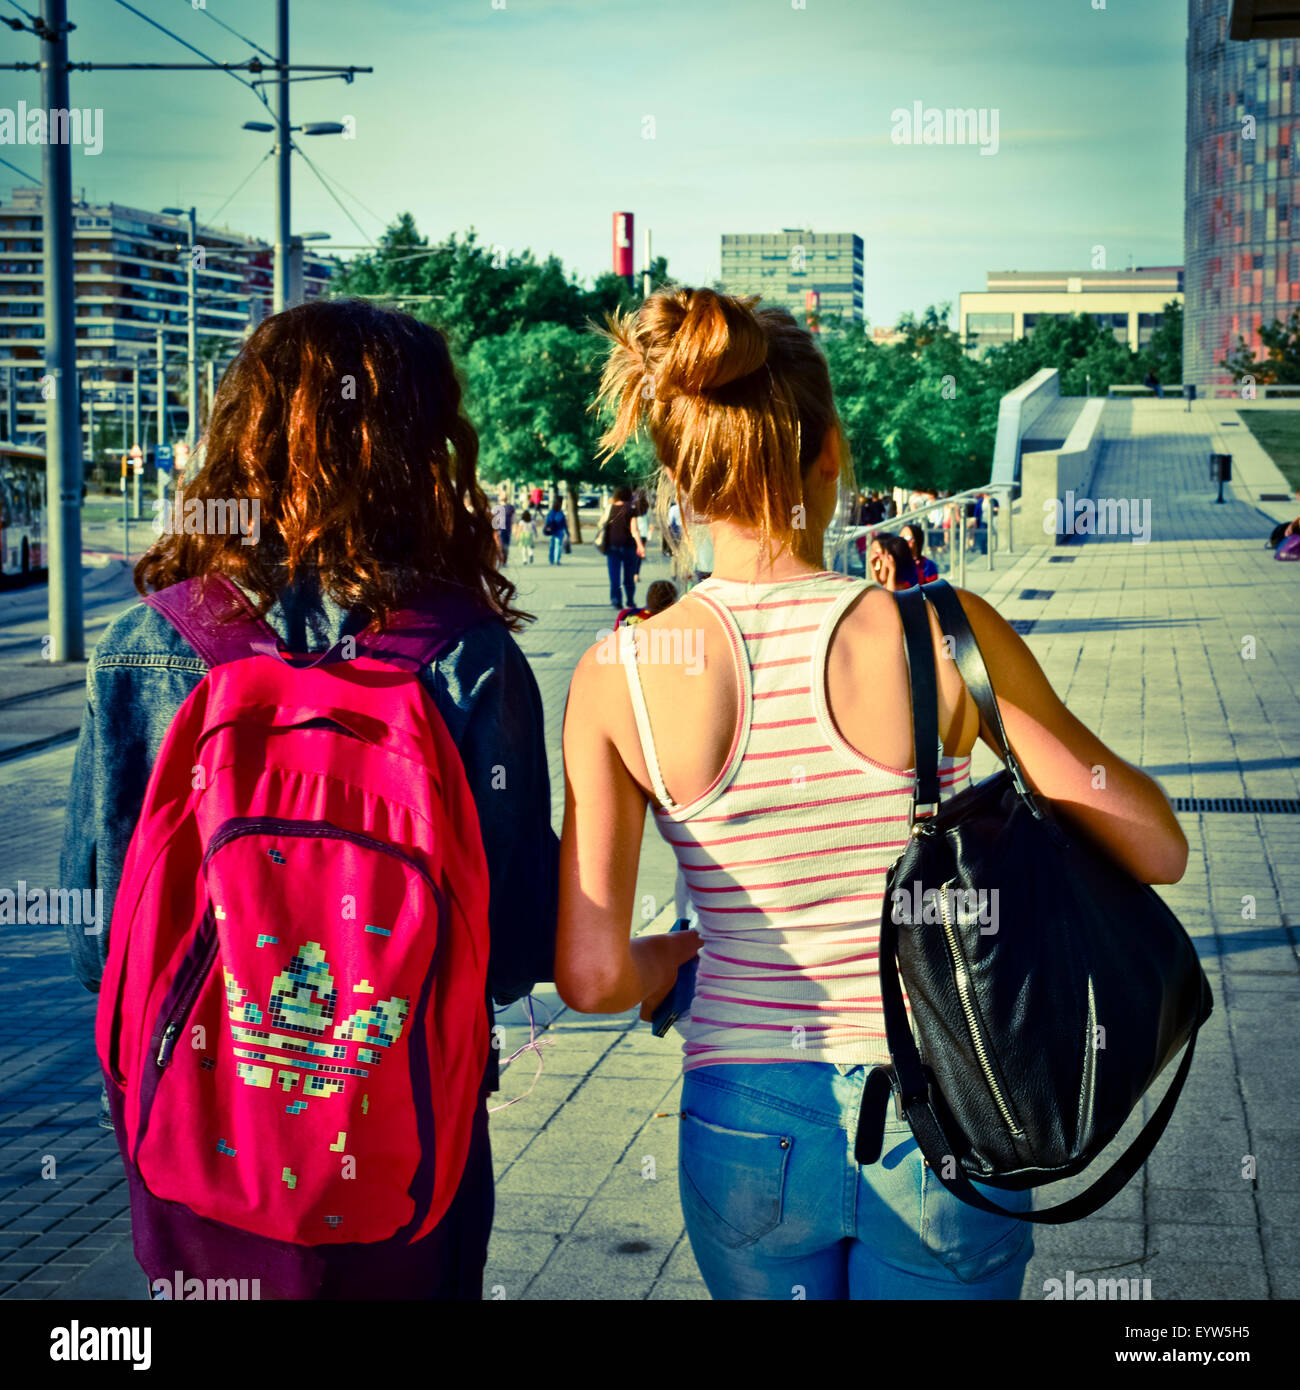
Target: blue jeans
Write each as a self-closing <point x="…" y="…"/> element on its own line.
<point x="557" y="548"/>
<point x="621" y="561"/>
<point x="777" y="1207"/>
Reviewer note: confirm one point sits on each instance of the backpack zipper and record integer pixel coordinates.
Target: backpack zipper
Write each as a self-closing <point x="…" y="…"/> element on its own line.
<point x="962" y="976"/>
<point x="186" y="1002"/>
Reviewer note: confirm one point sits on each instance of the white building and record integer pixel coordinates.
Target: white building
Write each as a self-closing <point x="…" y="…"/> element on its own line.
<point x="131" y="279"/>
<point x="1129" y="302"/>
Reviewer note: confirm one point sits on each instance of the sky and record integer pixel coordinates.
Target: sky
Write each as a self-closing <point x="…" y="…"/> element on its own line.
<point x="528" y="121"/>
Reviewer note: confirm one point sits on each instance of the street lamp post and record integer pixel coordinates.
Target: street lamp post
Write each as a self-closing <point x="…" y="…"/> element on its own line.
<point x="283" y="291"/>
<point x="192" y="325"/>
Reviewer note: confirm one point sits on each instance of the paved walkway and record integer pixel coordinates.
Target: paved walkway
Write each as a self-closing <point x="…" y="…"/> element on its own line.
<point x="1147" y="643"/>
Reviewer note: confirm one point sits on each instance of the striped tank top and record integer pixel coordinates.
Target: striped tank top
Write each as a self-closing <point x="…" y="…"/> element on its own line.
<point x="785" y="855"/>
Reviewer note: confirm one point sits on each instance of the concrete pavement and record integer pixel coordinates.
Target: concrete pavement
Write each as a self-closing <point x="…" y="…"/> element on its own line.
<point x="1182" y="653"/>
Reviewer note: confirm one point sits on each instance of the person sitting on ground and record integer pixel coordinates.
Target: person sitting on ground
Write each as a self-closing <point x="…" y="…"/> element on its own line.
<point x="914" y="535"/>
<point x="660" y="595"/>
<point x="1282" y="530"/>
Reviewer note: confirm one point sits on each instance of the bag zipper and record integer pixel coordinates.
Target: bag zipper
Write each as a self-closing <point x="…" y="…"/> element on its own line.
<point x="186" y="1002"/>
<point x="962" y="976"/>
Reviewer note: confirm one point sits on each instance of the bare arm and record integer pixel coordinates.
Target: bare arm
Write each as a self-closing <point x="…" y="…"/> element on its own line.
<point x="598" y="969"/>
<point x="1115" y="804"/>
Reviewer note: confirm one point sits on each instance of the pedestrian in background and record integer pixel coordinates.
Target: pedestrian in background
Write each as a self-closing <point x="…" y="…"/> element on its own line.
<point x="503" y="521"/>
<point x="556" y="527"/>
<point x="623" y="548"/>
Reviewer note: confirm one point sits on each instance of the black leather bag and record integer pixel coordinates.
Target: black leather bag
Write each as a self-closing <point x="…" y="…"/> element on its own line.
<point x="1044" y="1006"/>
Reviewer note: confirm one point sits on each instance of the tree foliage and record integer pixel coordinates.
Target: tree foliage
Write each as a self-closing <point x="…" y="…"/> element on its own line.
<point x="921" y="412"/>
<point x="1280" y="364"/>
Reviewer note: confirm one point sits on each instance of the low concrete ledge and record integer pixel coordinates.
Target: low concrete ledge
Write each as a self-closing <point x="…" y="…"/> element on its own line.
<point x="1048" y="474"/>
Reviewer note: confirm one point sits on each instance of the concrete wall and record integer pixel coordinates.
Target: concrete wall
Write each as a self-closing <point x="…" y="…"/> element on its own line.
<point x="1016" y="414"/>
<point x="1051" y="473"/>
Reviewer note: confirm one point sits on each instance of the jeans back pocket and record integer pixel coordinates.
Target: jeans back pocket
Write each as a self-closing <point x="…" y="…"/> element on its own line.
<point x="973" y="1244"/>
<point x="732" y="1182"/>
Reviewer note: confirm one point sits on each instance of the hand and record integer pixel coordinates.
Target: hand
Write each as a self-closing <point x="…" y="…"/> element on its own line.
<point x="657" y="959"/>
<point x="885" y="571"/>
<point x="640" y="551"/>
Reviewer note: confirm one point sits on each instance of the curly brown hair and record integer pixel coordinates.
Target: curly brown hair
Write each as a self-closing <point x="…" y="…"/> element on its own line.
<point x="342" y="421"/>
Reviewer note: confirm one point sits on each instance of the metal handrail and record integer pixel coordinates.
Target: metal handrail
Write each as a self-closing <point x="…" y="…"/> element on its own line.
<point x="842" y="538"/>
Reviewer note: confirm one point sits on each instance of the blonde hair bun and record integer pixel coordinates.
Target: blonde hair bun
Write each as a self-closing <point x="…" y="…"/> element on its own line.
<point x="700" y="341"/>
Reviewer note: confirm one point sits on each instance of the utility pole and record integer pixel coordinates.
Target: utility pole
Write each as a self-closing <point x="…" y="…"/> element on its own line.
<point x="135" y="400"/>
<point x="62" y="413"/>
<point x="646" y="279"/>
<point x="283" y="148"/>
<point x="161" y="351"/>
<point x="11" y="404"/>
<point x="63" y="419"/>
<point x="192" y="434"/>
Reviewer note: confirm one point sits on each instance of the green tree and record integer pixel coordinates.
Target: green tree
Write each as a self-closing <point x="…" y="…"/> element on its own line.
<point x="530" y="394"/>
<point x="918" y="413"/>
<point x="1088" y="355"/>
<point x="1163" y="354"/>
<point x="1280" y="364"/>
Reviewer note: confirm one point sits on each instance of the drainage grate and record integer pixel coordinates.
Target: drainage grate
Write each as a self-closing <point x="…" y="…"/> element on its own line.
<point x="537" y="656"/>
<point x="1241" y="805"/>
<point x="1059" y="560"/>
<point x="1023" y="625"/>
<point x="1036" y="594"/>
<point x="1274" y="496"/>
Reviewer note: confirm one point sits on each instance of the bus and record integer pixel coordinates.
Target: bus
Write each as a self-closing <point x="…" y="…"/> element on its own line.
<point x="23" y="519"/>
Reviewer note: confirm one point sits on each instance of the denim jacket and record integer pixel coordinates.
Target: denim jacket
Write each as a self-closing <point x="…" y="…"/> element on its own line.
<point x="141" y="673"/>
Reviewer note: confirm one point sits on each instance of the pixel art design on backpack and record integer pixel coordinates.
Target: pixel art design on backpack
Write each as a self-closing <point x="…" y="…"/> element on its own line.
<point x="302" y="1002"/>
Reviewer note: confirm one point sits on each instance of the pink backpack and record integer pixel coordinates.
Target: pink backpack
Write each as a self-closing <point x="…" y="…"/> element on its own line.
<point x="293" y="1019"/>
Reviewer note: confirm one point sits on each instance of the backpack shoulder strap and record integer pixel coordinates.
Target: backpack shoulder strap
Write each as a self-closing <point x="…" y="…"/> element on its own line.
<point x="418" y="635"/>
<point x="213" y="616"/>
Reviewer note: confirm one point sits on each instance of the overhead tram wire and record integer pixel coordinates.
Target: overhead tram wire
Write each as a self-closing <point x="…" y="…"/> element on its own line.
<point x="212" y="221"/>
<point x="17" y="170"/>
<point x="338" y="184"/>
<point x="184" y="43"/>
<point x="342" y="207"/>
<point x="26" y="14"/>
<point x="235" y="32"/>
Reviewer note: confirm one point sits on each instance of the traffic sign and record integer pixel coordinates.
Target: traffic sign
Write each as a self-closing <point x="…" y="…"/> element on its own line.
<point x="163" y="456"/>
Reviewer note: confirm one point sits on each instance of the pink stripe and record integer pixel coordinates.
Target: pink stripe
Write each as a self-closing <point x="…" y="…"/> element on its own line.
<point x="772" y="979"/>
<point x="777" y="632"/>
<point x="786" y="752"/>
<point x="786" y="603"/>
<point x="785" y="883"/>
<point x="763" y="965"/>
<point x="788" y="806"/>
<point x="778" y="1027"/>
<point x="785" y="858"/>
<point x="793" y="830"/>
<point x="777" y="694"/>
<point x="784" y="661"/>
<point x="696" y="1063"/>
<point x="802" y="907"/>
<point x="783" y="723"/>
<point x="773" y="1004"/>
<point x="814" y="777"/>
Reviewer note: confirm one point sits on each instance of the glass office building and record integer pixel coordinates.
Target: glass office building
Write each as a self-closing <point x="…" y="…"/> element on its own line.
<point x="806" y="272"/>
<point x="1242" y="212"/>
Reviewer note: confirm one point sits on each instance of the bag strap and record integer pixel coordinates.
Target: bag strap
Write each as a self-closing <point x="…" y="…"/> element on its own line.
<point x="970" y="665"/>
<point x="919" y="649"/>
<point x="217" y="620"/>
<point x="213" y="616"/>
